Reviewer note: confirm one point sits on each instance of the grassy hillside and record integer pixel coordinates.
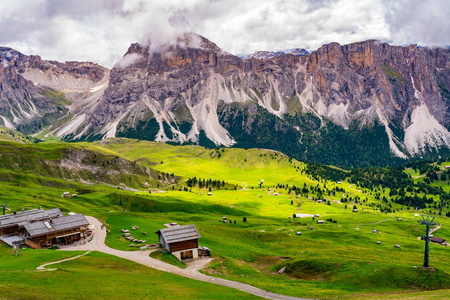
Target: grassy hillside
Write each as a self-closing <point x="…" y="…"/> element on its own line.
<point x="10" y="135"/>
<point x="338" y="259"/>
<point x="98" y="276"/>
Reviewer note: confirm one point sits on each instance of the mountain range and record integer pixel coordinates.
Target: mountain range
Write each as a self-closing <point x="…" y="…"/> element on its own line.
<point x="362" y="104"/>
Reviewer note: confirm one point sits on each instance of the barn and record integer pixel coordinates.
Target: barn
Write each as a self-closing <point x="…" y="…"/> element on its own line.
<point x="181" y="241"/>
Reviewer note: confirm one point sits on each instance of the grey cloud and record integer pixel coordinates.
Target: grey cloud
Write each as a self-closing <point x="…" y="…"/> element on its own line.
<point x="421" y="21"/>
<point x="102" y="30"/>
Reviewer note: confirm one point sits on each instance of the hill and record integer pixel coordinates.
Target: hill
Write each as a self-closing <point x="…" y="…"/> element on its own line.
<point x="337" y="259"/>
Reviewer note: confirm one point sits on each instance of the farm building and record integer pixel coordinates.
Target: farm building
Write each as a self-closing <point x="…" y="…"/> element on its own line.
<point x="302" y="215"/>
<point x="437" y="240"/>
<point x="40" y="228"/>
<point x="181" y="241"/>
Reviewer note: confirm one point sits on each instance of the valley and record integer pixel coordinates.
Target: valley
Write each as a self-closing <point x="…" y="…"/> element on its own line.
<point x="125" y="182"/>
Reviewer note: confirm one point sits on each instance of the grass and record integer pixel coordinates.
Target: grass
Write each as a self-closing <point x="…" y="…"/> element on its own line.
<point x="336" y="260"/>
<point x="168" y="258"/>
<point x="102" y="276"/>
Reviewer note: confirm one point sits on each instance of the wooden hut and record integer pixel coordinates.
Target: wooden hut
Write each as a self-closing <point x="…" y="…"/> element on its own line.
<point x="437" y="240"/>
<point x="181" y="241"/>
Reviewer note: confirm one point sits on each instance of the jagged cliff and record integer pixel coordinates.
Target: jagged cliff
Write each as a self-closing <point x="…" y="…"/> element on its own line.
<point x="360" y="104"/>
<point x="36" y="93"/>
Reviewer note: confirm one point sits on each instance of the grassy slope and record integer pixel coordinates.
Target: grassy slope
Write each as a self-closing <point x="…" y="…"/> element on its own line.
<point x="348" y="258"/>
<point x="98" y="276"/>
<point x="335" y="243"/>
<point x="10" y="135"/>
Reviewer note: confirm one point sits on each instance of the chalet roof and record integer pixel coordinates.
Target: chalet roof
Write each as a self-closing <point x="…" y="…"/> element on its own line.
<point x="23" y="217"/>
<point x="55" y="225"/>
<point x="179" y="233"/>
<point x="437" y="240"/>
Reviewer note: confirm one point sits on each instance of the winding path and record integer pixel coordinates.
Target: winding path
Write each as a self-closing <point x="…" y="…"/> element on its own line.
<point x="42" y="267"/>
<point x="375" y="222"/>
<point x="143" y="258"/>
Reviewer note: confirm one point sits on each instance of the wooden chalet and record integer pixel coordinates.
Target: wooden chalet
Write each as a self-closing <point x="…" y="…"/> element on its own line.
<point x="59" y="231"/>
<point x="181" y="241"/>
<point x="40" y="228"/>
<point x="10" y="223"/>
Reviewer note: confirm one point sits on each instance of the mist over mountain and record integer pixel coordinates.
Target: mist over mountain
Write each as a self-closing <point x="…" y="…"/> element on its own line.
<point x="366" y="103"/>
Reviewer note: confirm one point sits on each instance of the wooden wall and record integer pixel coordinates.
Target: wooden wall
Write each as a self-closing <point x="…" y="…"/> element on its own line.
<point x="179" y="246"/>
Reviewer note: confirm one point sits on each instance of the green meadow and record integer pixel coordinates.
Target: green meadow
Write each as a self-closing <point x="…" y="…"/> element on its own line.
<point x="338" y="259"/>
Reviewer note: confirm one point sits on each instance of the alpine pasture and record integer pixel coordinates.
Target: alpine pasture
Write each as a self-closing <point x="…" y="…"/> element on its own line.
<point x="338" y="259"/>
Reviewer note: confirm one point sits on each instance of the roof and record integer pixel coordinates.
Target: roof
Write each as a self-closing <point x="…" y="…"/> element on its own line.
<point x="55" y="225"/>
<point x="179" y="233"/>
<point x="437" y="240"/>
<point x="23" y="217"/>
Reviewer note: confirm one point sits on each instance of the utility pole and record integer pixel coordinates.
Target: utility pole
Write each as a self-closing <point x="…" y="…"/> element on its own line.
<point x="427" y="221"/>
<point x="4" y="207"/>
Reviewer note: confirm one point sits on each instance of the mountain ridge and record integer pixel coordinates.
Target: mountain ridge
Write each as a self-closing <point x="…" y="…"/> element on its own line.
<point x="191" y="91"/>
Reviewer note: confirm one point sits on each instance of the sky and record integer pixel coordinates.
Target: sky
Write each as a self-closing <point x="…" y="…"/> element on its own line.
<point x="102" y="30"/>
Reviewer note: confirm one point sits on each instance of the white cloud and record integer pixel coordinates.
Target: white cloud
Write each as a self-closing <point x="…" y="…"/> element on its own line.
<point x="102" y="30"/>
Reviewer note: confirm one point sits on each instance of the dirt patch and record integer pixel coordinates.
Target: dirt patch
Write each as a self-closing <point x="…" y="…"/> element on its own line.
<point x="211" y="271"/>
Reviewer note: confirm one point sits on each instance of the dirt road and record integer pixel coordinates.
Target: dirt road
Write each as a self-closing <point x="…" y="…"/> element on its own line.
<point x="143" y="258"/>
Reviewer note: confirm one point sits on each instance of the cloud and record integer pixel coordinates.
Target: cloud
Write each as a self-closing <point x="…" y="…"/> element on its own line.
<point x="425" y="22"/>
<point x="128" y="60"/>
<point x="102" y="30"/>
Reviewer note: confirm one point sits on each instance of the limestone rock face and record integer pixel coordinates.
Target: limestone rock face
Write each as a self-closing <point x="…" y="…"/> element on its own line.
<point x="35" y="93"/>
<point x="338" y="104"/>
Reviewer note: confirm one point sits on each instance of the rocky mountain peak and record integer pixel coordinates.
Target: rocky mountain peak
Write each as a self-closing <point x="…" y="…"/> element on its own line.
<point x="368" y="98"/>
